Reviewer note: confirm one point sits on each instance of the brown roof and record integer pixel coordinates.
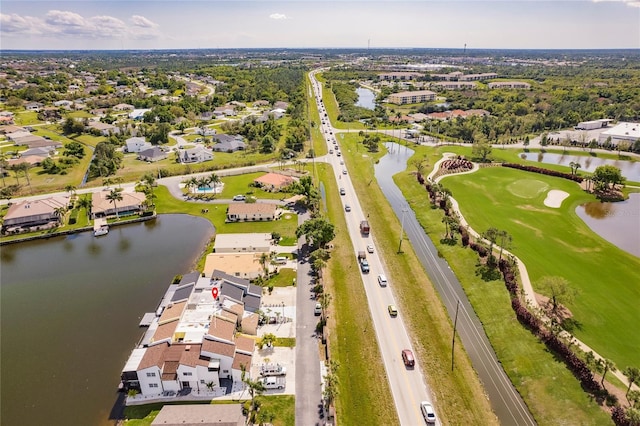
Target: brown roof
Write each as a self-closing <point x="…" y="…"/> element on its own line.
<point x="236" y="308"/>
<point x="153" y="356"/>
<point x="222" y="328"/>
<point x="244" y="343"/>
<point x="226" y="349"/>
<point x="36" y="207"/>
<point x="130" y="200"/>
<point x="230" y="316"/>
<point x="251" y="208"/>
<point x="170" y="370"/>
<point x="241" y="359"/>
<point x="172" y="312"/>
<point x="274" y="179"/>
<point x="250" y="323"/>
<point x="191" y="357"/>
<point x="165" y="331"/>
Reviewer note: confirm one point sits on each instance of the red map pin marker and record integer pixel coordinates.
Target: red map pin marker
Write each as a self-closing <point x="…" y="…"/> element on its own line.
<point x="214" y="293"/>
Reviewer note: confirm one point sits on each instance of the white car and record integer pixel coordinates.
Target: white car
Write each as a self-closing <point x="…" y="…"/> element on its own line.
<point x="382" y="280"/>
<point x="427" y="412"/>
<point x="318" y="309"/>
<point x="370" y="248"/>
<point x="239" y="198"/>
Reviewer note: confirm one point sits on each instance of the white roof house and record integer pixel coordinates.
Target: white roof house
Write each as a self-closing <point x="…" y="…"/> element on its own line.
<point x="243" y="243"/>
<point x="623" y="132"/>
<point x="137" y="144"/>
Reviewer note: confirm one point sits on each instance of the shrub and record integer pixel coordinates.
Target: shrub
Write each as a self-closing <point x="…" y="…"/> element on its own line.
<point x="543" y="171"/>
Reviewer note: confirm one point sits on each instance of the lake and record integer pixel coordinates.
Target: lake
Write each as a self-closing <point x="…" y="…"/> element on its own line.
<point x="366" y="98"/>
<point x="629" y="169"/>
<point x="70" y="310"/>
<point x="618" y="223"/>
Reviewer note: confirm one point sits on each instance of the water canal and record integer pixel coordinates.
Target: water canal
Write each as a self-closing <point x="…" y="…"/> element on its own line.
<point x="70" y="310"/>
<point x="629" y="169"/>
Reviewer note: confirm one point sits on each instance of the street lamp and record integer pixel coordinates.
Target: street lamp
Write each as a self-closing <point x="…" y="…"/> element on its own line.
<point x="404" y="210"/>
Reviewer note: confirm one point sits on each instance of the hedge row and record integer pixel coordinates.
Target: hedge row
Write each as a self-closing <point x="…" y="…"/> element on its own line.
<point x="544" y="171"/>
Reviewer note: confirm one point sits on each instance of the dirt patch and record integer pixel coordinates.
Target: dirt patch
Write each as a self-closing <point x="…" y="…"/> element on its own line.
<point x="562" y="313"/>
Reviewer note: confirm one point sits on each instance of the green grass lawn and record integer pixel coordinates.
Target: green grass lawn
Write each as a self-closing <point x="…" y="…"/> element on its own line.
<point x="550" y="391"/>
<point x="26" y="118"/>
<point x="241" y="185"/>
<point x="284" y="278"/>
<point x="78" y="114"/>
<point x="557" y="242"/>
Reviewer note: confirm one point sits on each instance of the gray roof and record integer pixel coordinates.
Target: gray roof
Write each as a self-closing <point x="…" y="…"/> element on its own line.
<point x="251" y="302"/>
<point x="233" y="145"/>
<point x="182" y="293"/>
<point x="222" y="137"/>
<point x="254" y="289"/>
<point x="152" y="152"/>
<point x="229" y="290"/>
<point x="220" y="275"/>
<point x="190" y="278"/>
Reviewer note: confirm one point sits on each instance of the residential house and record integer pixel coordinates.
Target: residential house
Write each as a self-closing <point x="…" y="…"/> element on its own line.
<point x="34" y="106"/>
<point x="206" y="131"/>
<point x="123" y="107"/>
<point x="10" y="128"/>
<point x="206" y="116"/>
<point x="256" y="242"/>
<point x="261" y="103"/>
<point x="40" y="214"/>
<point x="201" y="415"/>
<point x="239" y="289"/>
<point x="137" y="144"/>
<point x="137" y="114"/>
<point x="152" y="154"/>
<point x="228" y="143"/>
<point x="131" y="203"/>
<point x="198" y="154"/>
<point x="40" y="152"/>
<point x="281" y="105"/>
<point x="32" y="141"/>
<point x="273" y="181"/>
<point x="252" y="212"/>
<point x="65" y="103"/>
<point x="104" y="128"/>
<point x="225" y="110"/>
<point x="241" y="265"/>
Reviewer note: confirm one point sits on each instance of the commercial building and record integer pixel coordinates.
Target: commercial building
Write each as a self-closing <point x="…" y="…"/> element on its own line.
<point x="399" y="76"/>
<point x="623" y="132"/>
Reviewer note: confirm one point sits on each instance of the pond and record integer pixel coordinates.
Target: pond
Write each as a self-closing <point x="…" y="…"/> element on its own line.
<point x="618" y="223"/>
<point x="366" y="98"/>
<point x="629" y="169"/>
<point x="70" y="312"/>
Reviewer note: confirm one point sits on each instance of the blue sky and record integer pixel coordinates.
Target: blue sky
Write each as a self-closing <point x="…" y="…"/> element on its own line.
<point x="153" y="24"/>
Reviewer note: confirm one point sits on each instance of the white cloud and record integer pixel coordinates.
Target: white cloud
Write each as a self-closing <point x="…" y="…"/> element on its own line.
<point x="141" y="21"/>
<point x="278" y="16"/>
<point x="633" y="3"/>
<point x="70" y="24"/>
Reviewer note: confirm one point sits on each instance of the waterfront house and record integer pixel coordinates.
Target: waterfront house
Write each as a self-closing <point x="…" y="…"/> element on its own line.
<point x="242" y="265"/>
<point x="255" y="242"/>
<point x="38" y="214"/>
<point x="131" y="203"/>
<point x="252" y="212"/>
<point x="238" y="289"/>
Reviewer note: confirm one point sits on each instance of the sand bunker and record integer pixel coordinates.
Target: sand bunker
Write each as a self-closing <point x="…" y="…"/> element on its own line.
<point x="555" y="198"/>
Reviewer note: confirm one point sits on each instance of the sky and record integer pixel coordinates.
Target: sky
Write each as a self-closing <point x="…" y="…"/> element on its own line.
<point x="167" y="24"/>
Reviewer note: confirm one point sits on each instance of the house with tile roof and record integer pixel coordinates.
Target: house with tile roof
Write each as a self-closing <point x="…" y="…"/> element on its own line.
<point x="131" y="203"/>
<point x="252" y="212"/>
<point x="273" y="181"/>
<point x="34" y="214"/>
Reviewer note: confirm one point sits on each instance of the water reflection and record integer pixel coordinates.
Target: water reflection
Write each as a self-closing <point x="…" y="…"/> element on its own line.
<point x="629" y="169"/>
<point x="618" y="223"/>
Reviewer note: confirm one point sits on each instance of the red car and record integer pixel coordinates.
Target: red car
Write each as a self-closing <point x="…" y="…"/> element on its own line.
<point x="407" y="358"/>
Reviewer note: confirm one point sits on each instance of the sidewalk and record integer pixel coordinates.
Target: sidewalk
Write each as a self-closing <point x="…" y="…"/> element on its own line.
<point x="527" y="287"/>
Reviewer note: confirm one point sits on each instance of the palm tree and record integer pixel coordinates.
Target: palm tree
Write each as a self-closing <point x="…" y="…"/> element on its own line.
<point x="606" y="365"/>
<point x="70" y="189"/>
<point x="85" y="203"/>
<point x="3" y="166"/>
<point x="203" y="182"/>
<point x="149" y="180"/>
<point x="113" y="196"/>
<point x="59" y="213"/>
<point x="633" y="376"/>
<point x="215" y="180"/>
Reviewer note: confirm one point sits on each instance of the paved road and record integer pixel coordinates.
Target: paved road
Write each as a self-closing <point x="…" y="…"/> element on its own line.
<point x="308" y="375"/>
<point x="408" y="386"/>
<point x="505" y="400"/>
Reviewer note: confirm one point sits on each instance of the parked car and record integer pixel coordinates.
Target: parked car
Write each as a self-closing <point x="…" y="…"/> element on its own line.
<point x="393" y="311"/>
<point x="273" y="370"/>
<point x="428" y="412"/>
<point x="271" y="382"/>
<point x="239" y="198"/>
<point x="407" y="358"/>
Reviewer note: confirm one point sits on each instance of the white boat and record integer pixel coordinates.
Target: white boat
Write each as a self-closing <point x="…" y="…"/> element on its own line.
<point x="103" y="230"/>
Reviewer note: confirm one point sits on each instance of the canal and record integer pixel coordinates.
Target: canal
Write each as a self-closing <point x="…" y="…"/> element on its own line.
<point x="70" y="310"/>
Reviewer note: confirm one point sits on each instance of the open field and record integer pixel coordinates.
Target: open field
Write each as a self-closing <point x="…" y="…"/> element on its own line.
<point x="425" y="317"/>
<point x="551" y="392"/>
<point x="240" y="184"/>
<point x="556" y="242"/>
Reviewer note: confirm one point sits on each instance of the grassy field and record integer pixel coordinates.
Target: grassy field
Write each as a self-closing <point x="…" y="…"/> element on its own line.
<point x="557" y="242"/>
<point x="240" y="185"/>
<point x="26" y="118"/>
<point x="331" y="106"/>
<point x="550" y="391"/>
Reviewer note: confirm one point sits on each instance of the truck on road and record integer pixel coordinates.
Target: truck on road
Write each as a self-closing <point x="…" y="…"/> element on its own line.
<point x="364" y="227"/>
<point x="273" y="382"/>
